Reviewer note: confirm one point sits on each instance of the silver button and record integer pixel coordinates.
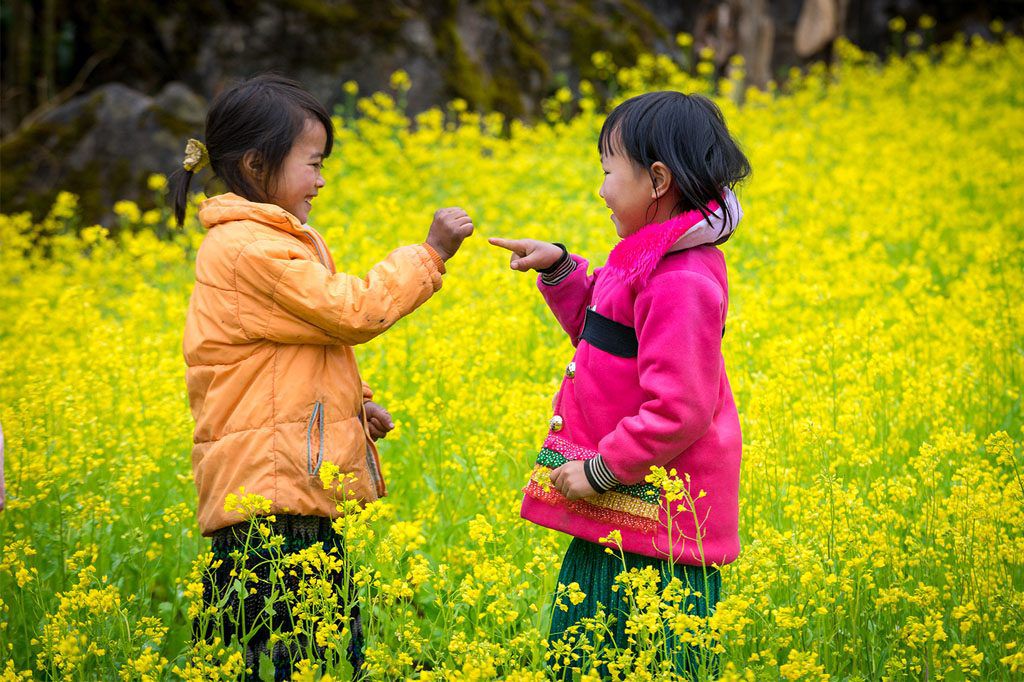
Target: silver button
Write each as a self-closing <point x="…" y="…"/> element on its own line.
<point x="556" y="423"/>
<point x="570" y="371"/>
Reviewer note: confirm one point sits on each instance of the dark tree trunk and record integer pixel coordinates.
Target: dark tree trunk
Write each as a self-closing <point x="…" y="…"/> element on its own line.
<point x="48" y="75"/>
<point x="22" y="58"/>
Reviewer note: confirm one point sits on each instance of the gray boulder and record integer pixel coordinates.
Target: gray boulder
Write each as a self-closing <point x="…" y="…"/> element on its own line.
<point x="102" y="146"/>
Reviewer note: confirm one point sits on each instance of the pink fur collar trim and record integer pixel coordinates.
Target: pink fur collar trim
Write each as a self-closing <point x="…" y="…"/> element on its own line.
<point x="634" y="258"/>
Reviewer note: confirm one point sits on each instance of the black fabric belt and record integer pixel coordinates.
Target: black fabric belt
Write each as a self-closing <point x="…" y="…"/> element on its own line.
<point x="608" y="335"/>
<point x="611" y="336"/>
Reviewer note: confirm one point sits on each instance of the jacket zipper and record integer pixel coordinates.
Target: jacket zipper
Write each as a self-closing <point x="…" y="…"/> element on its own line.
<point x="319" y="248"/>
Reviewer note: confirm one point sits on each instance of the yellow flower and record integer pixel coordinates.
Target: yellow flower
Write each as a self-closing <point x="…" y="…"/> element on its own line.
<point x="157" y="182"/>
<point x="128" y="210"/>
<point x="400" y="81"/>
<point x="613" y="538"/>
<point x="328" y="473"/>
<point x="897" y="24"/>
<point x="575" y="594"/>
<point x="246" y="505"/>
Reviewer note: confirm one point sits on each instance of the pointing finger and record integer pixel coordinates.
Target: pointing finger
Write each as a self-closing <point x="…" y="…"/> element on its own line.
<point x="514" y="245"/>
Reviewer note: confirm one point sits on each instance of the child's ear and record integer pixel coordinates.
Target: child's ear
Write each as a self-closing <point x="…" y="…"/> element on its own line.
<point x="252" y="164"/>
<point x="661" y="180"/>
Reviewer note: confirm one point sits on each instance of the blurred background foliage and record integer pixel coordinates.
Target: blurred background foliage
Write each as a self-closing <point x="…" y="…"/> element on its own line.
<point x="97" y="96"/>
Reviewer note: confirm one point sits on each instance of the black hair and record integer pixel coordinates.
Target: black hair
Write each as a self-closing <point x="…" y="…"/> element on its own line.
<point x="687" y="133"/>
<point x="265" y="115"/>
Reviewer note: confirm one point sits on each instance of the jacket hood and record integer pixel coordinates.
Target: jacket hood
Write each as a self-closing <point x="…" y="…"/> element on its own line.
<point x="634" y="258"/>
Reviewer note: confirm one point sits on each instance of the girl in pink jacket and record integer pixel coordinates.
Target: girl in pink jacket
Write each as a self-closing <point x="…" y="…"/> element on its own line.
<point x="647" y="385"/>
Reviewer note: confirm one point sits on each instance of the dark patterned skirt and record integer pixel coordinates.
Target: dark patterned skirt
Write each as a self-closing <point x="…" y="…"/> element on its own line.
<point x="594" y="570"/>
<point x="268" y="605"/>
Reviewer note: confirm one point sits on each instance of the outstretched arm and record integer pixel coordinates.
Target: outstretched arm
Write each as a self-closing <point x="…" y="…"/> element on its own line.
<point x="563" y="280"/>
<point x="288" y="298"/>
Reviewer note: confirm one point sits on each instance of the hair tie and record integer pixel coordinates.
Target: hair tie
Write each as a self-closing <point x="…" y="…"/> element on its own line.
<point x="196" y="156"/>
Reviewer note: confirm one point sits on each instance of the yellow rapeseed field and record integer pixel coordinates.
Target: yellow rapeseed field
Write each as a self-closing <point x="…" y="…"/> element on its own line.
<point x="875" y="347"/>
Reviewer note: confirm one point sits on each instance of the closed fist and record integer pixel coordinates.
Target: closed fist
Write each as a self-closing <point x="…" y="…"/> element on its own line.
<point x="449" y="228"/>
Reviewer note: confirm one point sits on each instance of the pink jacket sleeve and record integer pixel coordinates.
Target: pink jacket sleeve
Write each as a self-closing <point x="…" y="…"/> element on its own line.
<point x="678" y="318"/>
<point x="569" y="298"/>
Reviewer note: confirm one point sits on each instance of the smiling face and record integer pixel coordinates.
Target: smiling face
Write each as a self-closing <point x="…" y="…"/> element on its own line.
<point x="627" y="191"/>
<point x="299" y="178"/>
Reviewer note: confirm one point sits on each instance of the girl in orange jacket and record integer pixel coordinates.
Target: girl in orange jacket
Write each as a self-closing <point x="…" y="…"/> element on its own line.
<point x="272" y="379"/>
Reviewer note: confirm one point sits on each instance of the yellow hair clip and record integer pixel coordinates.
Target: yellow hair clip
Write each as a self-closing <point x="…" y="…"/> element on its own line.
<point x="196" y="156"/>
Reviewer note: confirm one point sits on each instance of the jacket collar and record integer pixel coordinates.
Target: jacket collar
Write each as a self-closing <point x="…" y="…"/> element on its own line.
<point x="634" y="259"/>
<point x="230" y="207"/>
<point x="225" y="208"/>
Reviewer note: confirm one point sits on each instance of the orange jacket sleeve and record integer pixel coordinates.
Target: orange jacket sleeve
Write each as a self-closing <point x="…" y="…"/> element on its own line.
<point x="285" y="297"/>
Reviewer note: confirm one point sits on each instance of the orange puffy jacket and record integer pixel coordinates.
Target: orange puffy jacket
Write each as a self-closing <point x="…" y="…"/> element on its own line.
<point x="272" y="379"/>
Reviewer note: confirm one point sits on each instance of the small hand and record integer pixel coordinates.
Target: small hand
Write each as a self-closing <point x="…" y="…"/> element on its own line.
<point x="448" y="230"/>
<point x="570" y="480"/>
<point x="378" y="420"/>
<point x="529" y="253"/>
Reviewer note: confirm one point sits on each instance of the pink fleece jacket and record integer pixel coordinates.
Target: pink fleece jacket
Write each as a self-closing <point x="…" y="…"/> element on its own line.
<point x="670" y="406"/>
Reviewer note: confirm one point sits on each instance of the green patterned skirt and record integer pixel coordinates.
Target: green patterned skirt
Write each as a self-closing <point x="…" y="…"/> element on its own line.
<point x="610" y="620"/>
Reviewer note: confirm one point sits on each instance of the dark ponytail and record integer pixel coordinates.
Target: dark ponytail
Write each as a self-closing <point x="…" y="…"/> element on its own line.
<point x="177" y="190"/>
<point x="688" y="134"/>
<point x="263" y="115"/>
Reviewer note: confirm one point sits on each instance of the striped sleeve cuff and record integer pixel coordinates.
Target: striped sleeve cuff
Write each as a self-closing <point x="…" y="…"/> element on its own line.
<point x="560" y="270"/>
<point x="599" y="476"/>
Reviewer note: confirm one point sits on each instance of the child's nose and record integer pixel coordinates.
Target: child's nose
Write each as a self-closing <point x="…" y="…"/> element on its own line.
<point x="320" y="182"/>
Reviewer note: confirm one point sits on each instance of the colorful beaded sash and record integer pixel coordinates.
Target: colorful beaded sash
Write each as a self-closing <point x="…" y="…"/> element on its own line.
<point x="625" y="506"/>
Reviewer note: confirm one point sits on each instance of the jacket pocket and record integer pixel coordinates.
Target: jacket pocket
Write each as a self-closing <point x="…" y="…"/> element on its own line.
<point x="316" y="423"/>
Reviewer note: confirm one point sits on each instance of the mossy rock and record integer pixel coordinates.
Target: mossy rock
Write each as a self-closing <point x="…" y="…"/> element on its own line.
<point x="102" y="146"/>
